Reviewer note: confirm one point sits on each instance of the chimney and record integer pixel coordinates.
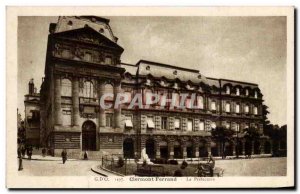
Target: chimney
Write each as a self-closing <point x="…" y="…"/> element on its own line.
<point x="31" y="86"/>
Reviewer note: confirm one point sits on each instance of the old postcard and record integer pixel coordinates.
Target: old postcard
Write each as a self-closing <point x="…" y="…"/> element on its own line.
<point x="156" y="97"/>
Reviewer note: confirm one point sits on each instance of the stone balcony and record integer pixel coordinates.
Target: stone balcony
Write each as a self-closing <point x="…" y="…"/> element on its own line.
<point x="176" y="132"/>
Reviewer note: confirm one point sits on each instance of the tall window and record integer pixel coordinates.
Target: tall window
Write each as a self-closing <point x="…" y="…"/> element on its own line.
<point x="109" y="119"/>
<point x="213" y="105"/>
<point x="88" y="89"/>
<point x="255" y="94"/>
<point x="255" y="110"/>
<point x="177" y="123"/>
<point x="190" y="125"/>
<point x="200" y="102"/>
<point x="164" y="122"/>
<point x="227" y="107"/>
<point x="189" y="103"/>
<point x="227" y="90"/>
<point x="67" y="116"/>
<point x="150" y="122"/>
<point x="246" y="109"/>
<point x="201" y="125"/>
<point x="66" y="87"/>
<point x="237" y="127"/>
<point x="237" y="108"/>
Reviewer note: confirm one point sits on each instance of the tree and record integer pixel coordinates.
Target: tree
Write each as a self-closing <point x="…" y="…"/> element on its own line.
<point x="265" y="113"/>
<point x="251" y="134"/>
<point x="222" y="135"/>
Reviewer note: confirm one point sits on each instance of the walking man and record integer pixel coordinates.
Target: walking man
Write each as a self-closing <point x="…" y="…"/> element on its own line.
<point x="64" y="155"/>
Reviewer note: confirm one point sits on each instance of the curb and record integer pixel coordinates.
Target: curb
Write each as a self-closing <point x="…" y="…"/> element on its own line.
<point x="104" y="169"/>
<point x="38" y="159"/>
<point x="95" y="171"/>
<point x="113" y="172"/>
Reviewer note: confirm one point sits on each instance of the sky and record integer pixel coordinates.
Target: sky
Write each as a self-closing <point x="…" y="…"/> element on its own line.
<point x="250" y="49"/>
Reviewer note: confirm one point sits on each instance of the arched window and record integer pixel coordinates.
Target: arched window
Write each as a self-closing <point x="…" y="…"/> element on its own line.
<point x="66" y="87"/>
<point x="237" y="91"/>
<point x="88" y="89"/>
<point x="247" y="92"/>
<point x="109" y="89"/>
<point x="227" y="90"/>
<point x="255" y="94"/>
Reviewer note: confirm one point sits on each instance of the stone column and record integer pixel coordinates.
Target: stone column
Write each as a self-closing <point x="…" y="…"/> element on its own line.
<point x="57" y="100"/>
<point x="102" y="121"/>
<point x="75" y="101"/>
<point x="171" y="150"/>
<point x="117" y="110"/>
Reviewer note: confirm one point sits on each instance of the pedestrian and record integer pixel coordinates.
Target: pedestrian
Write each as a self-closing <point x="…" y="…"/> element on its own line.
<point x="44" y="152"/>
<point x="211" y="163"/>
<point x="20" y="159"/>
<point x="85" y="156"/>
<point x="64" y="155"/>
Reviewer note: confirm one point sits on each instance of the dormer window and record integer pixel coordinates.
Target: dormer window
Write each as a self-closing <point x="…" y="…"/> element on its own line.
<point x="148" y="82"/>
<point x="70" y="23"/>
<point x="101" y="30"/>
<point x="108" y="60"/>
<point x="175" y="72"/>
<point x="247" y="92"/>
<point x="227" y="90"/>
<point x="255" y="94"/>
<point x="148" y="68"/>
<point x="88" y="57"/>
<point x="237" y="91"/>
<point x="175" y="85"/>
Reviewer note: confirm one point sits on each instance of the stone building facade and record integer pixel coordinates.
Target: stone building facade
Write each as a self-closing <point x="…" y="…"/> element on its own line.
<point x="83" y="64"/>
<point x="32" y="115"/>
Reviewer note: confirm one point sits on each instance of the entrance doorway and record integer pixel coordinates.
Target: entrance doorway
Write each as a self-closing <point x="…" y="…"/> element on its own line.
<point x="128" y="148"/>
<point x="89" y="136"/>
<point x="150" y="148"/>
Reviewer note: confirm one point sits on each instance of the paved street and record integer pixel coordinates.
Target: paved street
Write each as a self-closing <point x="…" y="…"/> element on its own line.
<point x="57" y="168"/>
<point x="244" y="167"/>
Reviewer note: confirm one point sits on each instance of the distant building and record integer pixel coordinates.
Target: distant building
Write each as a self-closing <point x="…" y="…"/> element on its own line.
<point x="32" y="115"/>
<point x="83" y="63"/>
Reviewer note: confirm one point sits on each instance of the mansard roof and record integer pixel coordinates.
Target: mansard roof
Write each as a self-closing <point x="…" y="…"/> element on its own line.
<point x="88" y="35"/>
<point x="160" y="70"/>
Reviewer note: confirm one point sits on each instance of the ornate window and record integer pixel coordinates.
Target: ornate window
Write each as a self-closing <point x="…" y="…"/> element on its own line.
<point x="213" y="105"/>
<point x="190" y="125"/>
<point x="201" y="125"/>
<point x="246" y="109"/>
<point x="255" y="110"/>
<point x="200" y="102"/>
<point x="237" y="108"/>
<point x="88" y="89"/>
<point x="164" y="122"/>
<point x="66" y="87"/>
<point x="177" y="123"/>
<point x="227" y="107"/>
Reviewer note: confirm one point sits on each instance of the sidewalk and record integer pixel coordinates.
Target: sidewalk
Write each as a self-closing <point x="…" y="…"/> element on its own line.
<point x="46" y="158"/>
